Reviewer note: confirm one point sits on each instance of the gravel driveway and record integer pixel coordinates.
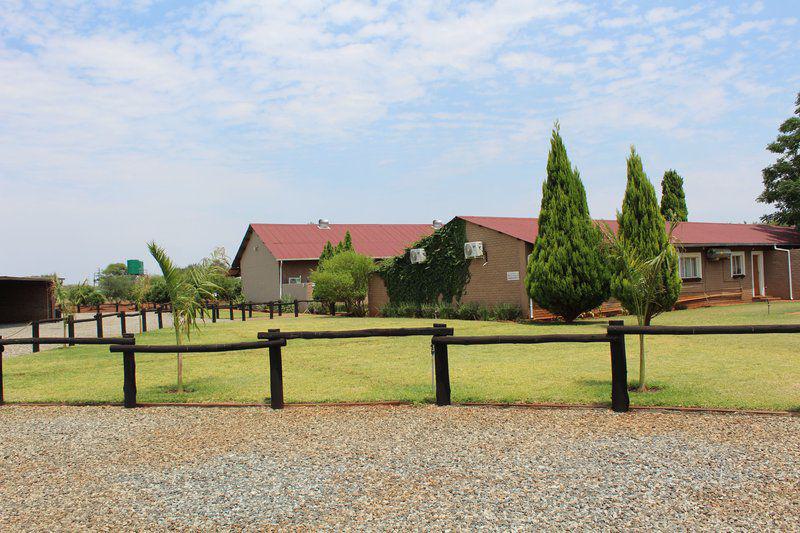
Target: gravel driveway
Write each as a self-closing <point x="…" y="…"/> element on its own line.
<point x="381" y="468"/>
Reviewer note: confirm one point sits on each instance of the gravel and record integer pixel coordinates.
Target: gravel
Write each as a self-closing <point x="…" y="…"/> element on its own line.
<point x="389" y="468"/>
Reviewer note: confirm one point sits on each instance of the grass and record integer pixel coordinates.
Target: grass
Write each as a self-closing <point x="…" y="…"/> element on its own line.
<point x="745" y="371"/>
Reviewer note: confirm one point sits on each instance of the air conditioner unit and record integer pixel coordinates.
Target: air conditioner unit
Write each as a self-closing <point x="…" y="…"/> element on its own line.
<point x="473" y="249"/>
<point x="417" y="255"/>
<point x="715" y="254"/>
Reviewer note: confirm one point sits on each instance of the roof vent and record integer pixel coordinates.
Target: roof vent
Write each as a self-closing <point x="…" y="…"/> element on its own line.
<point x="324" y="223"/>
<point x="437" y="224"/>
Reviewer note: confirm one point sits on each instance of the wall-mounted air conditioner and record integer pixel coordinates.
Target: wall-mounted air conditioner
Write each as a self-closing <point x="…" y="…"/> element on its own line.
<point x="473" y="249"/>
<point x="417" y="255"/>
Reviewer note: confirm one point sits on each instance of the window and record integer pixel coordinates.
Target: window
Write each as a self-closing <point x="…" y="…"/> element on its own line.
<point x="295" y="280"/>
<point x="737" y="264"/>
<point x="691" y="266"/>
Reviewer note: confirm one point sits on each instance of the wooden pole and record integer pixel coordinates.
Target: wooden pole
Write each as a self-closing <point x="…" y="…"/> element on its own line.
<point x="271" y="310"/>
<point x="620" y="401"/>
<point x="35" y="335"/>
<point x="230" y="308"/>
<point x="160" y="317"/>
<point x="214" y="313"/>
<point x="280" y="308"/>
<point x="121" y="323"/>
<point x="249" y="310"/>
<point x="99" y="318"/>
<point x="442" y="371"/>
<point x="129" y="378"/>
<point x="243" y="313"/>
<point x="275" y="376"/>
<point x="71" y="328"/>
<point x="296" y="308"/>
<point x="144" y="320"/>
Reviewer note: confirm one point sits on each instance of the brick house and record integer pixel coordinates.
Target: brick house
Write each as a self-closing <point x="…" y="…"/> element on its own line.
<point x="717" y="261"/>
<point x="275" y="260"/>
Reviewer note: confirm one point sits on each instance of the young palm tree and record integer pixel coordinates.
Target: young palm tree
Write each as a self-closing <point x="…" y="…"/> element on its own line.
<point x="187" y="288"/>
<point x="64" y="302"/>
<point x="645" y="278"/>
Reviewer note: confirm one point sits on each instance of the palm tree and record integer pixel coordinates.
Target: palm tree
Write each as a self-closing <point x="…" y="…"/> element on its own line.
<point x="645" y="277"/>
<point x="63" y="300"/>
<point x="187" y="288"/>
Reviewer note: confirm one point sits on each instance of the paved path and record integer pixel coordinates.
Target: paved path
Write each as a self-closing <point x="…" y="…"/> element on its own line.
<point x="399" y="468"/>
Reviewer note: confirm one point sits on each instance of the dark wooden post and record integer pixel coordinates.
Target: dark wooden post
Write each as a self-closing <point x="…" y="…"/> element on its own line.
<point x="144" y="319"/>
<point x="271" y="310"/>
<point x="99" y="319"/>
<point x="296" y="308"/>
<point x="249" y="310"/>
<point x="121" y="322"/>
<point x="441" y="368"/>
<point x="71" y="328"/>
<point x="117" y="307"/>
<point x="77" y="308"/>
<point x="214" y="313"/>
<point x="333" y="308"/>
<point x="2" y="400"/>
<point x="620" y="402"/>
<point x="280" y="308"/>
<point x="230" y="308"/>
<point x="275" y="376"/>
<point x="129" y="377"/>
<point x="243" y="313"/>
<point x="35" y="335"/>
<point x="160" y="316"/>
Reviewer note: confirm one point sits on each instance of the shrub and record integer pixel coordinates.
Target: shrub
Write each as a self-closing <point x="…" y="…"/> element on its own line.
<point x="509" y="312"/>
<point x="344" y="278"/>
<point x="469" y="311"/>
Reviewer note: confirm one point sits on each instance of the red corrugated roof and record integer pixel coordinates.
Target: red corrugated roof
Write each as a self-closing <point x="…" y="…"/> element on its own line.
<point x="306" y="241"/>
<point x="687" y="233"/>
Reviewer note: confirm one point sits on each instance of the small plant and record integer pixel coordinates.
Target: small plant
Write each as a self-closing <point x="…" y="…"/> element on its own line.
<point x="469" y="311"/>
<point x="508" y="312"/>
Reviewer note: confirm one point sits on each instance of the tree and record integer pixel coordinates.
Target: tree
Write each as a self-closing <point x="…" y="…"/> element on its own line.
<point x="187" y="288"/>
<point x="344" y="278"/>
<point x="567" y="274"/>
<point x="782" y="178"/>
<point x="157" y="292"/>
<point x="84" y="294"/>
<point x="116" y="283"/>
<point x="642" y="234"/>
<point x="327" y="252"/>
<point x="345" y="245"/>
<point x="673" y="199"/>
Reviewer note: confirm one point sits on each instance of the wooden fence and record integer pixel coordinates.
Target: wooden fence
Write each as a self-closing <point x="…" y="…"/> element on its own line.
<point x="441" y="337"/>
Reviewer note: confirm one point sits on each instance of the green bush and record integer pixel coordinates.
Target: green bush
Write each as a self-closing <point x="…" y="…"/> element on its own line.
<point x="344" y="278"/>
<point x="468" y="311"/>
<point x="509" y="312"/>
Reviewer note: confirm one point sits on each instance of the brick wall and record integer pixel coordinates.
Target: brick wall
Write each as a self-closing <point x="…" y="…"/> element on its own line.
<point x="489" y="283"/>
<point x="777" y="273"/>
<point x="377" y="296"/>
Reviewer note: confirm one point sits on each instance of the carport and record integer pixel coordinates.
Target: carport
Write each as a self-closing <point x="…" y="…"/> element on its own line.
<point x="23" y="299"/>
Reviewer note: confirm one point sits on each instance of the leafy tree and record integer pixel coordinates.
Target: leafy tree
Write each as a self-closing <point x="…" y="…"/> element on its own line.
<point x="116" y="283"/>
<point x="673" y="199"/>
<point x="344" y="278"/>
<point x="567" y="273"/>
<point x="84" y="294"/>
<point x="782" y="178"/>
<point x="642" y="234"/>
<point x="327" y="252"/>
<point x="157" y="292"/>
<point x="187" y="289"/>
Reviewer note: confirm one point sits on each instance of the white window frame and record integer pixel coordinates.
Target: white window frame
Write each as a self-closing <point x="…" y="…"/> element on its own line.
<point x="298" y="280"/>
<point x="744" y="269"/>
<point x="693" y="255"/>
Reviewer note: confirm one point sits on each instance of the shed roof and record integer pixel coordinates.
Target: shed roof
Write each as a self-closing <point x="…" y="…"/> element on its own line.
<point x="687" y="233"/>
<point x="293" y="242"/>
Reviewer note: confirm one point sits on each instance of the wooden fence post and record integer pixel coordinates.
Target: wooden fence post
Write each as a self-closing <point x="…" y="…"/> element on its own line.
<point x="271" y="310"/>
<point x="144" y="320"/>
<point x="620" y="402"/>
<point x="129" y="377"/>
<point x="99" y="319"/>
<point x="230" y="308"/>
<point x="2" y="400"/>
<point x="249" y="310"/>
<point x="160" y="316"/>
<point x="214" y="313"/>
<point x="243" y="313"/>
<point x="280" y="308"/>
<point x="441" y="370"/>
<point x="296" y="308"/>
<point x="71" y="328"/>
<point x="35" y="335"/>
<point x="121" y="316"/>
<point x="275" y="376"/>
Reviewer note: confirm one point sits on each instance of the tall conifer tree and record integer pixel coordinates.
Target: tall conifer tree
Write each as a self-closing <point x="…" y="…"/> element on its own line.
<point x="567" y="274"/>
<point x="673" y="199"/>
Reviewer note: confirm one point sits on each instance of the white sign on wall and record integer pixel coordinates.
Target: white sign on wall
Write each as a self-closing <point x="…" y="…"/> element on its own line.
<point x="512" y="276"/>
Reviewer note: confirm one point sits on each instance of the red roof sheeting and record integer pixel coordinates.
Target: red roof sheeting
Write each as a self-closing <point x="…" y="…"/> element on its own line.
<point x="687" y="233"/>
<point x="306" y="241"/>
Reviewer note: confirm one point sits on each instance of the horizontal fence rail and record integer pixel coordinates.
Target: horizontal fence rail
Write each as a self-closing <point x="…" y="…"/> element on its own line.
<point x="705" y="330"/>
<point x="198" y="348"/>
<point x="521" y="339"/>
<point x="68" y="340"/>
<point x="357" y="333"/>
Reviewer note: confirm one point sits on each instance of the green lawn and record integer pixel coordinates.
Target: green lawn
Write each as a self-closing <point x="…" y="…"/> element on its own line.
<point x="745" y="371"/>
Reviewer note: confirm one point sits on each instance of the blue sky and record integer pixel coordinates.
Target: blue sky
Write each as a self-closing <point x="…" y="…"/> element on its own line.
<point x="125" y="121"/>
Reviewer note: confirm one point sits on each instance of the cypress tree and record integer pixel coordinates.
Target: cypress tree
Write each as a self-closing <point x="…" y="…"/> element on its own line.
<point x="643" y="228"/>
<point x="327" y="252"/>
<point x="347" y="244"/>
<point x="567" y="274"/>
<point x="673" y="199"/>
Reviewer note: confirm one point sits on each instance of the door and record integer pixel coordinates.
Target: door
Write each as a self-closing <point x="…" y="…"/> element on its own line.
<point x="758" y="273"/>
